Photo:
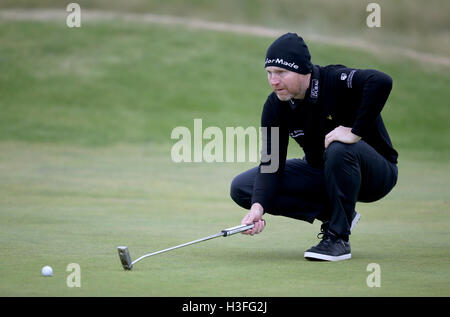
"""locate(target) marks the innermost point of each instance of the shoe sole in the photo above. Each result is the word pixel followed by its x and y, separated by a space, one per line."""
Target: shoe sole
pixel 324 257
pixel 355 220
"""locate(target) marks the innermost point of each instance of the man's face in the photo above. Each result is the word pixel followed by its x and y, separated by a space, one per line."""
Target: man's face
pixel 287 84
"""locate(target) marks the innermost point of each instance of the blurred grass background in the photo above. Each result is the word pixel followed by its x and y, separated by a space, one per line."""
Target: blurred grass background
pixel 405 23
pixel 144 80
pixel 85 122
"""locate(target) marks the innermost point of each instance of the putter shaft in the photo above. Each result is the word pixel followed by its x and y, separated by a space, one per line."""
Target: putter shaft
pixel 124 254
pixel 179 246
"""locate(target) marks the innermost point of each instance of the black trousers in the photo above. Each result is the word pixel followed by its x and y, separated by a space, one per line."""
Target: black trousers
pixel 352 172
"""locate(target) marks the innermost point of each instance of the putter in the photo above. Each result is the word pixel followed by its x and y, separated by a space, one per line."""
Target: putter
pixel 127 264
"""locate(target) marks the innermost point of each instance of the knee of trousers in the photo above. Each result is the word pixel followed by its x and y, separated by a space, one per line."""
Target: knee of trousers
pixel 238 194
pixel 339 153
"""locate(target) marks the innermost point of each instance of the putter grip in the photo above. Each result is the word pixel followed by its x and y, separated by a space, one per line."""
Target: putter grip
pixel 230 231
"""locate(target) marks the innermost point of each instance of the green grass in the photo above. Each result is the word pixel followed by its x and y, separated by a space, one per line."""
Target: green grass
pixel 68 204
pixel 404 23
pixel 145 80
pixel 85 165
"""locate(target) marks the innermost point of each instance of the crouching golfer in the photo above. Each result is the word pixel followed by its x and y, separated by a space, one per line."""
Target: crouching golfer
pixel 333 113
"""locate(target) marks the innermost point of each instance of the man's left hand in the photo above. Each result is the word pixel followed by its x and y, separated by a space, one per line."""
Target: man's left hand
pixel 341 134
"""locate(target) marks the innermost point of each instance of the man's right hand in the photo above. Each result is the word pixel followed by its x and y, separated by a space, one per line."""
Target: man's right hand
pixel 254 216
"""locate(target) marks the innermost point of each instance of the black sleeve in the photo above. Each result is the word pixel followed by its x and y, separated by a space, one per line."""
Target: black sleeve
pixel 269 172
pixel 374 87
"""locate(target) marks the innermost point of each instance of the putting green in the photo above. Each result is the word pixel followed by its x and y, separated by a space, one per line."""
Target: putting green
pixel 66 204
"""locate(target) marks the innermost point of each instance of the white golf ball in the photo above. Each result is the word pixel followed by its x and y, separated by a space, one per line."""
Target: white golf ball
pixel 47 271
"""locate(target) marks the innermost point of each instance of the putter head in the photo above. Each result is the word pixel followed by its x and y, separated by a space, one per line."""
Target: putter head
pixel 124 256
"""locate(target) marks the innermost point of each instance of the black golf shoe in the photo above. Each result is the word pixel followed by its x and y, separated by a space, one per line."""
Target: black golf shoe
pixel 331 248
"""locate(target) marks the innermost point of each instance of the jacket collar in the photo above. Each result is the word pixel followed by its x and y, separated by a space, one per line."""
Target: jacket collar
pixel 312 93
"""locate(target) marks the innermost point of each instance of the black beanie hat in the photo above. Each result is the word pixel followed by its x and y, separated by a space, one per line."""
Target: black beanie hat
pixel 290 52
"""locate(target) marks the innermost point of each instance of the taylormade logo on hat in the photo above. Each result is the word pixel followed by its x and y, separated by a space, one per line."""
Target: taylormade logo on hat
pixel 290 52
pixel 281 62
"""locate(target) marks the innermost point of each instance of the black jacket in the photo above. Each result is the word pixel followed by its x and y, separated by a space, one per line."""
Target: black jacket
pixel 337 95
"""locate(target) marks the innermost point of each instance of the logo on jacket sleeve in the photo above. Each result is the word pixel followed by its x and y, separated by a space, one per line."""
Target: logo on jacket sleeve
pixel 350 78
